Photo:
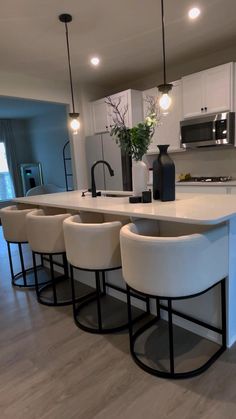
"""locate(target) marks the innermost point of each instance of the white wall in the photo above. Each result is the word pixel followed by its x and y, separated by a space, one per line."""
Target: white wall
pixel 22 86
pixel 217 162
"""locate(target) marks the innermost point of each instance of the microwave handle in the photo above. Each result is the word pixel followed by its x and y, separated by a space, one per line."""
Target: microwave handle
pixel 213 130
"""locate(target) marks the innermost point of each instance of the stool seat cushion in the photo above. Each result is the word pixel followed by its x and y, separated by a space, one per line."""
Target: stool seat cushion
pixel 177 266
pixel 14 223
pixel 45 232
pixel 93 246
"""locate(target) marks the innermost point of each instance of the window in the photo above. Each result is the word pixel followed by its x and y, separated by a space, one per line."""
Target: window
pixel 6 186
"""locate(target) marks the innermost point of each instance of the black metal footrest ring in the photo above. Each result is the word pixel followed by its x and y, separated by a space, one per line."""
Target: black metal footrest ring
pixel 102 330
pixel 50 301
pixel 19 276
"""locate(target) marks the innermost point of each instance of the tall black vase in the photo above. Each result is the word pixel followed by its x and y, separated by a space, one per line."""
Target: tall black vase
pixel 164 176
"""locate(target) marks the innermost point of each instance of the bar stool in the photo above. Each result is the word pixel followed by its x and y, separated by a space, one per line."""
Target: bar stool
pixel 169 269
pixel 14 229
pixel 45 235
pixel 95 248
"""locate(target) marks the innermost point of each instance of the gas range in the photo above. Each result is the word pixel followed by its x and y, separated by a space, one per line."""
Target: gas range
pixel 220 179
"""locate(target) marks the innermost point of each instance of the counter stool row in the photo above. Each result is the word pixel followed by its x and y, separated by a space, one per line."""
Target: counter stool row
pixel 89 246
pixel 158 262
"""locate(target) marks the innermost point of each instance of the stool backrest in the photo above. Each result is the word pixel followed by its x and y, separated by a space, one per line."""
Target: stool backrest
pixel 14 223
pixel 173 266
pixel 93 246
pixel 45 232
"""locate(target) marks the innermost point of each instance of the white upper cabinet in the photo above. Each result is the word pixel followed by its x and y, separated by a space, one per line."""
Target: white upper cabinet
pixel 208 91
pixel 100 117
pixel 129 101
pixel 219 88
pixel 192 95
pixel 168 132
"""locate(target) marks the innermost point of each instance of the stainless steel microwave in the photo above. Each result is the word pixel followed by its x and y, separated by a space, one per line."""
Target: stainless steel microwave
pixel 208 131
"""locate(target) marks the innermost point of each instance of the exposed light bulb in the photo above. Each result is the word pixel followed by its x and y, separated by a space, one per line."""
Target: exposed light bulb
pixel 95 61
pixel 194 13
pixel 75 125
pixel 165 101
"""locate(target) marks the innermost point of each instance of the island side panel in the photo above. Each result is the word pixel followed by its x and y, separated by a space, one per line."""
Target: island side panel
pixel 231 285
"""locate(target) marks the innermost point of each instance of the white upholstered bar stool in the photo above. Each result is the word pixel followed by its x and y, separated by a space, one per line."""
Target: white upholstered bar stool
pixel 13 221
pixel 173 268
pixel 45 235
pixel 94 247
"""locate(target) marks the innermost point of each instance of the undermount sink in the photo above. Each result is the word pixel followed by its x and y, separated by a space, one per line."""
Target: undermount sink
pixel 114 195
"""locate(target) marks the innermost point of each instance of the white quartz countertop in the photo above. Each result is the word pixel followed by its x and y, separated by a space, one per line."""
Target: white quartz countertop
pixel 188 208
pixel 224 184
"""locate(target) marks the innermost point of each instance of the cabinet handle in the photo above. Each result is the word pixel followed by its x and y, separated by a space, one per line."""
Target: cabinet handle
pixel 201 109
pixel 205 108
pixel 106 126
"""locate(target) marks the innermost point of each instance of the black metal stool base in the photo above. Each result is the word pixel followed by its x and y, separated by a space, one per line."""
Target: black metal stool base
pixel 94 328
pixel 19 281
pixel 94 314
pixel 25 278
pixel 45 293
pixel 57 291
pixel 143 363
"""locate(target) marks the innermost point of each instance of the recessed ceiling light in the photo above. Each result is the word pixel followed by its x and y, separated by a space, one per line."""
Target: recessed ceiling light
pixel 194 13
pixel 95 61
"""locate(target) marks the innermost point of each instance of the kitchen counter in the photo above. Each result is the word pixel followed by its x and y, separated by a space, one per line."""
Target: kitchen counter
pixel 188 208
pixel 228 183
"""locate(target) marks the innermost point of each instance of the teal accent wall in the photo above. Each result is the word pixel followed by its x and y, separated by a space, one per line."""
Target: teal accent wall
pixel 48 133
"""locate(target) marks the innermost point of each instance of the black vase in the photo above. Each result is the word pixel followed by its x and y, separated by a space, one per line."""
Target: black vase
pixel 164 176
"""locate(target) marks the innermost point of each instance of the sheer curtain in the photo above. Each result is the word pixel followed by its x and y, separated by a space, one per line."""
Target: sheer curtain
pixel 7 137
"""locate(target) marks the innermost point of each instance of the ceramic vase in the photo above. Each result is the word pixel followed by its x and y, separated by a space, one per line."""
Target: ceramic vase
pixel 139 177
pixel 164 176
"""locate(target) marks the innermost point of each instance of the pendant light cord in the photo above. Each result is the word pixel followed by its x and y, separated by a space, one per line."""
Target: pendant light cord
pixel 163 41
pixel 69 64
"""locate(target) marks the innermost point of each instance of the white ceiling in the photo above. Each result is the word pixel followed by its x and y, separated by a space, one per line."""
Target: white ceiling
pixel 126 34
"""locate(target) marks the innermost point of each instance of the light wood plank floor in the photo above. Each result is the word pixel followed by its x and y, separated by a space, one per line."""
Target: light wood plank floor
pixel 49 369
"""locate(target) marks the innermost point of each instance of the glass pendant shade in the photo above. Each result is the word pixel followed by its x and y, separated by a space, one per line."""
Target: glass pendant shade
pixel 165 101
pixel 74 122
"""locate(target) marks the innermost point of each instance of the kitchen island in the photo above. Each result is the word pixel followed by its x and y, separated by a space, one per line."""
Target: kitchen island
pixel 188 209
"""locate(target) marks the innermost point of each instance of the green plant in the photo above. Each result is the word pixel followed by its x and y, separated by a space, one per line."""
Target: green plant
pixel 134 141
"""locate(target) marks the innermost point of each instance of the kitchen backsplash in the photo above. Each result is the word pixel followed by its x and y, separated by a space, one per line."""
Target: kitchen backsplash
pixel 210 162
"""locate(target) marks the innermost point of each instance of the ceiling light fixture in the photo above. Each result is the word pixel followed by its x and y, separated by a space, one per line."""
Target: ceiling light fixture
pixel 74 123
pixel 165 99
pixel 95 61
pixel 194 13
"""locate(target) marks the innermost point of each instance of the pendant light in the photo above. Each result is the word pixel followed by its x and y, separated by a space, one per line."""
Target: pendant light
pixel 74 122
pixel 165 99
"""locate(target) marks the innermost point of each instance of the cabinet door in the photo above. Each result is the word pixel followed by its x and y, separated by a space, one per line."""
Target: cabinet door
pixel 217 89
pixel 100 120
pixel 112 154
pixel 120 99
pixel 168 132
pixel 192 95
pixel 93 147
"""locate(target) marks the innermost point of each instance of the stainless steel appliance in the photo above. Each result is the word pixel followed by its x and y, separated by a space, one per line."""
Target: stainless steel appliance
pixel 104 147
pixel 208 131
